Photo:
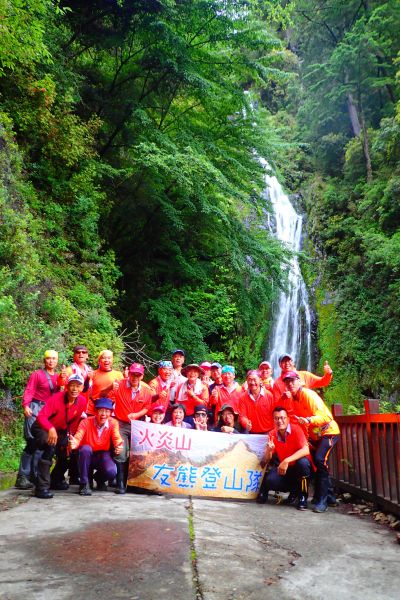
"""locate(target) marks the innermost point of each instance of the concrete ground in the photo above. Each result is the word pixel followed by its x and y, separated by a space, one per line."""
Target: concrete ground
pixel 142 547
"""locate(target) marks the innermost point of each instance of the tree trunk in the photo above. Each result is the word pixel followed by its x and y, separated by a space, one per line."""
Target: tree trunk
pixel 360 129
pixel 353 114
pixel 366 149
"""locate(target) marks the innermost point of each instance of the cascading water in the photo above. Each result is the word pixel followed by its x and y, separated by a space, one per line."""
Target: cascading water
pixel 291 330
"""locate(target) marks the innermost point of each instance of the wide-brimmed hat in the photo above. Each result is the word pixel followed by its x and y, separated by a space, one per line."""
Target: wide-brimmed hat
pixel 229 407
pixel 192 366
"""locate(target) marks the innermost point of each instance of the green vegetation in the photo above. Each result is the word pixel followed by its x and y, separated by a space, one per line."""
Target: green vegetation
pixel 348 114
pixel 131 191
pixel 129 187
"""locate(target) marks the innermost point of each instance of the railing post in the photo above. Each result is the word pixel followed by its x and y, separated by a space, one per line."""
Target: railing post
pixel 337 410
pixel 371 408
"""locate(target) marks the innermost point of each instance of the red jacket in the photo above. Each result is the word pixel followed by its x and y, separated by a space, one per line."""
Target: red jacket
pixel 38 387
pixel 58 413
pixel 258 411
pixel 224 397
pixel 188 401
pixel 295 440
pixel 125 404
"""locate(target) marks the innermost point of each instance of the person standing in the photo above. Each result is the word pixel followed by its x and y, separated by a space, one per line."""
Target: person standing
pixel 58 419
pixel 265 369
pixel 227 393
pixel 132 402
pixel 256 405
pixel 310 411
pixel 161 386
pixel 192 391
pixel 309 380
pixel 80 366
pixel 178 360
pixel 42 384
pixel 105 380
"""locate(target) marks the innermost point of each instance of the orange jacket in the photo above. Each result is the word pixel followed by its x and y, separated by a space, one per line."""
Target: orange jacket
pixel 102 382
pixel 308 404
pixel 87 434
pixel 309 380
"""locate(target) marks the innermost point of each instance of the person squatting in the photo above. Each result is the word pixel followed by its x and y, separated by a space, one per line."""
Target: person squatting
pixel 82 417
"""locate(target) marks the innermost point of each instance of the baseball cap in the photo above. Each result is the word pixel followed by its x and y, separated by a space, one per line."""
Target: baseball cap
pixel 264 363
pixel 136 368
pixel 216 365
pixel 290 375
pixel 76 377
pixel 282 356
pixel 104 403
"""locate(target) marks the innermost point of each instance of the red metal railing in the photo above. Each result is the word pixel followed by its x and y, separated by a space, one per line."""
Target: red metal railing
pixel 366 459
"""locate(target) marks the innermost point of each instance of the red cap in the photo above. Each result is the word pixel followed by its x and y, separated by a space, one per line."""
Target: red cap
pixel 206 366
pixel 290 375
pixel 264 363
pixel 136 368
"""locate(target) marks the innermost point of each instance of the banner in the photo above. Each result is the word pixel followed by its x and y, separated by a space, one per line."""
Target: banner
pixel 199 463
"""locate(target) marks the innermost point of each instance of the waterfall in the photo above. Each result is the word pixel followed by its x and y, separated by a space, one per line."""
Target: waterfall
pixel 291 329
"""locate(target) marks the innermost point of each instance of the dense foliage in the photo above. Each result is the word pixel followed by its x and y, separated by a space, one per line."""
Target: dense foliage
pixel 349 116
pixel 129 179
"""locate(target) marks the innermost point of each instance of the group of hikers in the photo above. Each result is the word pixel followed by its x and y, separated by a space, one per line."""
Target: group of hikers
pixel 83 418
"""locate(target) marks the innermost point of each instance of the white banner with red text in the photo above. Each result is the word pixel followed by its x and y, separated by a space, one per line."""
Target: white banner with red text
pixel 200 463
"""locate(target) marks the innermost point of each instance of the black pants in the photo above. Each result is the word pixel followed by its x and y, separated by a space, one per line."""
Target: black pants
pixel 60 451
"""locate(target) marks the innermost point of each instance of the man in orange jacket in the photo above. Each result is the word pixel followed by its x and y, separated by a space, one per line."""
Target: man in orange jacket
pixel 105 380
pixel 94 438
pixel 132 402
pixel 308 379
pixel 310 411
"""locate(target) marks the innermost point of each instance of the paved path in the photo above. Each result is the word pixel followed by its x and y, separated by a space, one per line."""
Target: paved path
pixel 142 547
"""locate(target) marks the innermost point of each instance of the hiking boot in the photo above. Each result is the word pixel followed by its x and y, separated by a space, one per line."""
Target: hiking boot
pixel 321 507
pixel 43 494
pixel 23 483
pixel 121 487
pixel 291 498
pixel 59 485
pixel 331 500
pixel 262 498
pixel 84 489
pixel 302 503
pixel 101 487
